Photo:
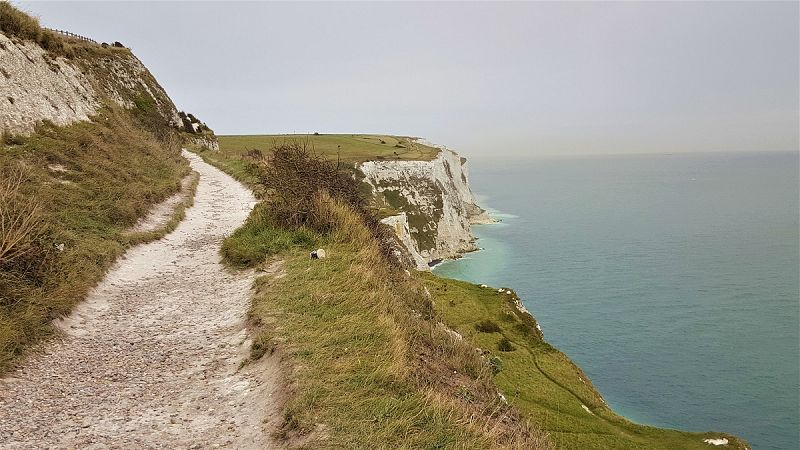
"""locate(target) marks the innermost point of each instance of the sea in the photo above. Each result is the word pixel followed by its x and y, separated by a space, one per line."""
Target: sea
pixel 671 280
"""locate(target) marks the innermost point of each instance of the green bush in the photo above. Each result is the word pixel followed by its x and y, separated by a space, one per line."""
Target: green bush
pixel 505 345
pixel 144 103
pixel 496 364
pixel 487 326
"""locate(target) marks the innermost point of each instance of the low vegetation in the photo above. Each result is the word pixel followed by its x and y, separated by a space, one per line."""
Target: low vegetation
pixel 68 196
pixel 14 22
pixel 17 24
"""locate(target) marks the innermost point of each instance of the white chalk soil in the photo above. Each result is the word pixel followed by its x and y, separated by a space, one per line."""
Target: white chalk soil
pixel 160 215
pixel 152 358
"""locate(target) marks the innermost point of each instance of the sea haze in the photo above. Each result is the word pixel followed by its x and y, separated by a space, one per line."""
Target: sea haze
pixel 671 280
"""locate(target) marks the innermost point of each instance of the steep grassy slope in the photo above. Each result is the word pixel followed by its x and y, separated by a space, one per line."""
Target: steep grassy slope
pixel 375 363
pixel 351 148
pixel 541 381
pixel 85 185
pixel 371 365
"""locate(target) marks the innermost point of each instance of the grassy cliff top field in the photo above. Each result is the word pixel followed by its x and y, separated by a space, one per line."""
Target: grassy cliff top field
pixel 352 148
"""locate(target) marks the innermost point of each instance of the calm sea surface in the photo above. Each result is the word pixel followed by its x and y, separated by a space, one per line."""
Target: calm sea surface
pixel 671 280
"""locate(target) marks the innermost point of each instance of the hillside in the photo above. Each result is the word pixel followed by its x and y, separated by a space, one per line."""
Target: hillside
pixel 411 349
pixel 211 325
pixel 88 146
pixel 419 189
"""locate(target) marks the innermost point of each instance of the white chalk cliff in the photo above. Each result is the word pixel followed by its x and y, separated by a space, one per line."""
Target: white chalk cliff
pixel 433 203
pixel 36 85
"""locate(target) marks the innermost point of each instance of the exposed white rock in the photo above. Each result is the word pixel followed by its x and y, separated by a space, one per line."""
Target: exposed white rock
pixel 36 86
pixel 209 142
pixel 435 201
pixel 719 441
pixel 455 335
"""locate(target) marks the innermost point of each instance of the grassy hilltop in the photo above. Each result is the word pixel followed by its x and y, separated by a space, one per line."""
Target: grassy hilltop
pixel 352 148
pixel 374 357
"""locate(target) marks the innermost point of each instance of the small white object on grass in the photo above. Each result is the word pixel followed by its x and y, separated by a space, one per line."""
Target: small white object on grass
pixel 719 441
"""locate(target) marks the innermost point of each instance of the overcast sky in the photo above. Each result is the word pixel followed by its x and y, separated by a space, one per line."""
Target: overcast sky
pixel 489 79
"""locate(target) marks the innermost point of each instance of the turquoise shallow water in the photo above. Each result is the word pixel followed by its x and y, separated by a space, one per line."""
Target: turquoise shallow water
pixel 672 280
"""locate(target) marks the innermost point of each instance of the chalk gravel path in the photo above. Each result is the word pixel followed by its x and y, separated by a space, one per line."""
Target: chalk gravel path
pixel 151 358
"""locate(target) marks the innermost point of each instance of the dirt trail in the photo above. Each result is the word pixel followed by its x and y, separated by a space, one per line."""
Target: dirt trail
pixel 151 359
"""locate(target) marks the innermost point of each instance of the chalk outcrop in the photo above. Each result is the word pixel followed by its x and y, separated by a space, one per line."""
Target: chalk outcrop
pixel 36 85
pixel 209 142
pixel 432 204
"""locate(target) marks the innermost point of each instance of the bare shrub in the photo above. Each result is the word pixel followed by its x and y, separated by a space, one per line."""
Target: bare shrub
pixel 304 190
pixel 292 176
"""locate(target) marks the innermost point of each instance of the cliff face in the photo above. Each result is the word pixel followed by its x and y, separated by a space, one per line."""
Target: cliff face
pixel 36 85
pixel 432 202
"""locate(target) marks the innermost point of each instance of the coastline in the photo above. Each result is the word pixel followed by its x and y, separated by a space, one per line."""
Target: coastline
pixel 597 260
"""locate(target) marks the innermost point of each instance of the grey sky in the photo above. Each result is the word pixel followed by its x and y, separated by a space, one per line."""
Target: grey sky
pixel 485 78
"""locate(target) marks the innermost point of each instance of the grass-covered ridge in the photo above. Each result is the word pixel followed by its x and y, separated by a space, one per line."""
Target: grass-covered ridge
pixel 371 364
pixel 18 24
pixel 82 186
pixel 375 360
pixel 542 382
pixel 350 148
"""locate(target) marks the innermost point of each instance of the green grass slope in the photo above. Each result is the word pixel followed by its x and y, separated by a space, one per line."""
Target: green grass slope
pixel 370 366
pixel 541 381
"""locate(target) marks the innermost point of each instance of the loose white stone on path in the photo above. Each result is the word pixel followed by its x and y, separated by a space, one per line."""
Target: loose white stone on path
pixel 151 358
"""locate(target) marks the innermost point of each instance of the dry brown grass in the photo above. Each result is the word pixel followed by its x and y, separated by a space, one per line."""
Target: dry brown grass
pixel 20 219
pixel 14 22
pixel 18 24
pixel 75 190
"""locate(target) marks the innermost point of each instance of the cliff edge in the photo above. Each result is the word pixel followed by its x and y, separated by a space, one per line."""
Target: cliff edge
pixel 430 203
pixel 64 88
